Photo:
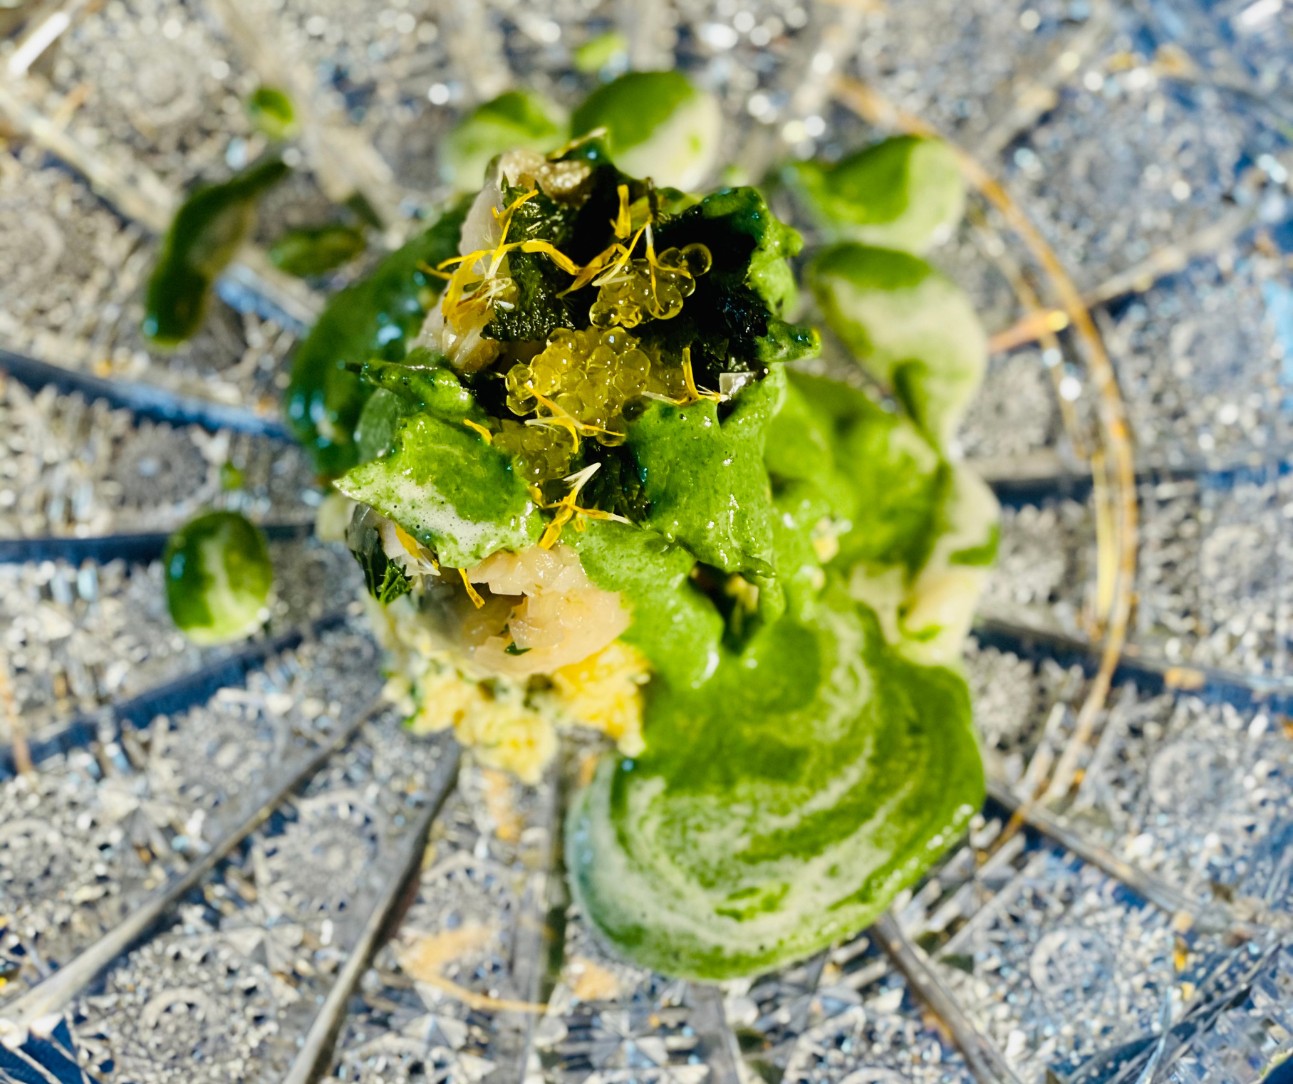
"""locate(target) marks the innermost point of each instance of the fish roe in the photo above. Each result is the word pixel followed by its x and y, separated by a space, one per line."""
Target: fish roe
pixel 542 453
pixel 649 287
pixel 588 376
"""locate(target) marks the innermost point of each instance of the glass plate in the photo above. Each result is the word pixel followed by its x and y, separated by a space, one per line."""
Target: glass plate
pixel 231 863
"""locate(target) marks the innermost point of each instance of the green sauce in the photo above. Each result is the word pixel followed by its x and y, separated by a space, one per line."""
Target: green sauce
pixel 374 318
pixel 674 625
pixel 316 250
pixel 877 472
pixel 271 110
pixel 901 193
pixel 792 785
pixel 218 577
pixel 657 124
pixel 909 326
pixel 780 806
pixel 449 489
pixel 515 120
pixel 632 107
pixel 706 481
pixel 203 238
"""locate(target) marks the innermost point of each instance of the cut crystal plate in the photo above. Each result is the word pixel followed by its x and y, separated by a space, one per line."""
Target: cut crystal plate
pixel 233 864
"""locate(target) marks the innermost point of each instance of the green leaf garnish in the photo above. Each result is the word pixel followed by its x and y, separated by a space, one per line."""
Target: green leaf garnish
pixel 232 476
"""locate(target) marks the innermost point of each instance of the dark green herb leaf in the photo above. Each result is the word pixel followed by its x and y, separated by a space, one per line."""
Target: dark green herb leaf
pixel 385 580
pixel 732 322
pixel 538 311
pixel 395 582
pixel 232 476
pixel 365 213
pixel 618 485
pixel 962 961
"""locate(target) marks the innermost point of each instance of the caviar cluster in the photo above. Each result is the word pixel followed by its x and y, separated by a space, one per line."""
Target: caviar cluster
pixel 540 452
pixel 588 376
pixel 579 385
pixel 647 287
pixel 581 382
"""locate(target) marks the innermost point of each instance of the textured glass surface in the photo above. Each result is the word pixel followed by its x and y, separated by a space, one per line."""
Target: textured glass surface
pixel 231 863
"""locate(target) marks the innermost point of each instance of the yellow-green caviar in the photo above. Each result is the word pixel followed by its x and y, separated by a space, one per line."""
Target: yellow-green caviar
pixel 580 385
pixel 650 287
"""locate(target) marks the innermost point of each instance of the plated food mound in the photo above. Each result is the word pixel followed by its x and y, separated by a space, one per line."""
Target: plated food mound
pixel 593 492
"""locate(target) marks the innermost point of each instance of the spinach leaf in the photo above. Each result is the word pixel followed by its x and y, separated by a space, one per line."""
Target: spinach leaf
pixel 385 580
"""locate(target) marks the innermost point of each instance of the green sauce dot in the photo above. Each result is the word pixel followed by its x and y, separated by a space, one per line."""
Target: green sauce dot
pixel 218 577
pixel 316 250
pixel 232 476
pixel 600 52
pixel 272 112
